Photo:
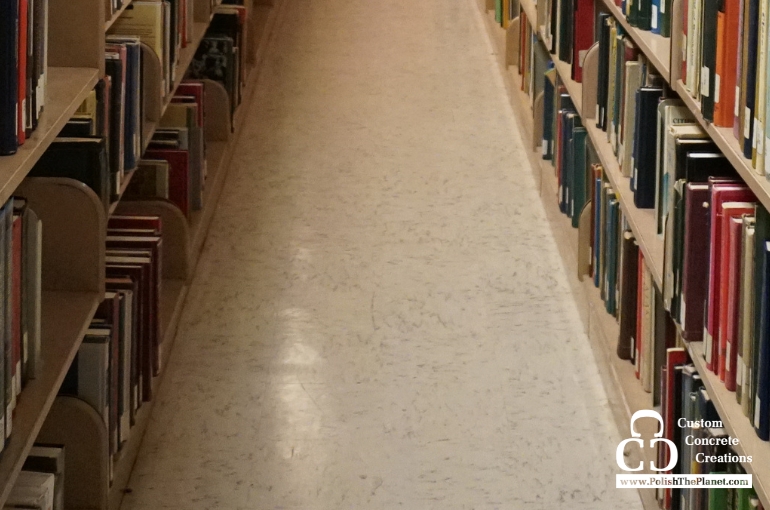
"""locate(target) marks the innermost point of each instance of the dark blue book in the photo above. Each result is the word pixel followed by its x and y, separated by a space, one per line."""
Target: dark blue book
pixel 548 100
pixel 645 147
pixel 611 245
pixel 9 77
pixel 603 71
pixel 597 230
pixel 761 417
pixel 750 66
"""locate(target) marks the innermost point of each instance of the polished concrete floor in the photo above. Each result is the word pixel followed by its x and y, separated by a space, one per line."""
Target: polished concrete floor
pixel 380 318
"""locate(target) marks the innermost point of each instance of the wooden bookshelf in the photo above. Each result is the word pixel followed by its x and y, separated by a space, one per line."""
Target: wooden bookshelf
pixel 655 47
pixel 736 424
pixel 642 221
pixel 66 316
pixel 171 303
pixel 729 145
pixel 624 390
pixel 67 87
pixel 112 19
pixel 530 9
pixel 67 312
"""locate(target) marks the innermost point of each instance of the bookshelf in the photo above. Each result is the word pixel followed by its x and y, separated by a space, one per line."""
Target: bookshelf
pixel 655 47
pixel 623 388
pixel 67 87
pixel 728 144
pixel 74 235
pixel 737 424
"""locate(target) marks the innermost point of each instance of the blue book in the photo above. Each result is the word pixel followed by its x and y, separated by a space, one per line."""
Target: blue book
pixel 655 17
pixel 611 233
pixel 548 97
pixel 597 229
pixel 761 416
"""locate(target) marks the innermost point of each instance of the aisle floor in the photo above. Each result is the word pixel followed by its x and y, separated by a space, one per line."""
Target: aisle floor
pixel 380 318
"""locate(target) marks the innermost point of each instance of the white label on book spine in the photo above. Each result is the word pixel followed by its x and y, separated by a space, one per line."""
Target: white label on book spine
pixel 728 350
pixel 760 129
pixel 704 81
pixel 684 47
pixel 756 136
pixel 597 112
pixel 683 308
pixel 737 109
pixel 717 81
pixel 757 405
pixel 545 147
pixel 654 18
pixel 746 122
pixel 663 7
pixel 707 341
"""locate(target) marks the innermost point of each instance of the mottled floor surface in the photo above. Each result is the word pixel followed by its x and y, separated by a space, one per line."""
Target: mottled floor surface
pixel 380 318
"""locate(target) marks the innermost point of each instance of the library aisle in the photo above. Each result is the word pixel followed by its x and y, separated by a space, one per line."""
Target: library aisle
pixel 380 318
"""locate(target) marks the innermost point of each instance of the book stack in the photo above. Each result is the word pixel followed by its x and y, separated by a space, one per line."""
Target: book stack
pixel 20 254
pixel 174 165
pixel 23 64
pixel 121 351
pixel 40 485
pixel 165 26
pixel 728 74
pixel 220 55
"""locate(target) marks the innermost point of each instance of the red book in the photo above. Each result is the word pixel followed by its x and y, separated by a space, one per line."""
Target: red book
pixel 21 106
pixel 195 89
pixel 16 258
pixel 153 245
pixel 675 356
pixel 721 193
pixel 179 175
pixel 730 210
pixel 584 36
pixel 639 315
pixel 696 264
pixel 735 229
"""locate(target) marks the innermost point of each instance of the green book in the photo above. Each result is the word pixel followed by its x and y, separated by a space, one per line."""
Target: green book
pixel 579 192
pixel 499 11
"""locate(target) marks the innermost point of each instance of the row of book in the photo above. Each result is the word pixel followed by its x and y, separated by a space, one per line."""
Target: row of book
pixel 40 484
pixel 165 26
pixel 121 351
pixel 23 64
pixel 713 286
pixel 20 305
pixel 173 166
pixel 707 451
pixel 221 54
pixel 728 73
